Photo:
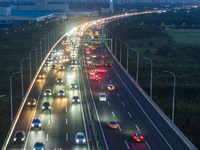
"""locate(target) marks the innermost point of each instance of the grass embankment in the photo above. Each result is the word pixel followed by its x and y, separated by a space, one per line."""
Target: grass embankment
pixel 174 50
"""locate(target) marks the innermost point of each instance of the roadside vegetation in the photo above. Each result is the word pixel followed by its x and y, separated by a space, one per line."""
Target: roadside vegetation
pixel 175 49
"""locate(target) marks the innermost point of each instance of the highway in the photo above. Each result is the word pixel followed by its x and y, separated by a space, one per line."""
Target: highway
pixel 58 127
pixel 130 108
pixel 127 104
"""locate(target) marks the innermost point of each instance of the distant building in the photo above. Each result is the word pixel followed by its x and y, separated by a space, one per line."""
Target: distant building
pixel 111 6
pixel 5 11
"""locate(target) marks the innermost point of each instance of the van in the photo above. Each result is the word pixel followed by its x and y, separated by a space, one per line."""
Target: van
pixel 102 97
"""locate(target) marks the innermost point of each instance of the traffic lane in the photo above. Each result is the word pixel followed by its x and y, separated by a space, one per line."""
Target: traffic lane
pixel 26 113
pixel 162 126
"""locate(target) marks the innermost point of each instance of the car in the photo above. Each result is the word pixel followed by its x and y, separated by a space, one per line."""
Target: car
pixel 73 85
pixel 113 125
pixel 42 75
pixel 62 67
pixel 80 138
pixel 110 87
pixel 137 137
pixel 76 99
pixel 46 64
pixel 36 123
pixel 92 72
pixel 94 55
pixel 101 70
pixel 89 61
pixel 54 51
pixel 87 57
pixel 98 64
pixel 74 62
pixel 87 52
pixel 47 92
pixel 31 102
pixel 91 66
pixel 102 96
pixel 19 137
pixel 57 61
pixel 61 50
pixel 96 77
pixel 46 106
pixel 65 56
pixel 70 74
pixel 53 66
pixel 58 57
pixel 87 49
pixel 72 69
pixel 49 58
pixel 61 93
pixel 59 81
pixel 39 146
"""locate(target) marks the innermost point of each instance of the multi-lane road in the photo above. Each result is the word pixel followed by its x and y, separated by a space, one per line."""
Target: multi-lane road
pixel 128 105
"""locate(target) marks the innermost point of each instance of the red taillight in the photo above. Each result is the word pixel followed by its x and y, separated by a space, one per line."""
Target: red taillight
pixel 116 125
pixel 110 125
pixel 141 137
pixel 106 64
pixel 135 137
pixel 110 64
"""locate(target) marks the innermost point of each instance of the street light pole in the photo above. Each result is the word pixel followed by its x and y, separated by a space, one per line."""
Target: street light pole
pixel 36 56
pixel 120 58
pixel 151 75
pixel 173 94
pixel 127 55
pixel 137 63
pixel 22 76
pixel 11 107
pixel 30 63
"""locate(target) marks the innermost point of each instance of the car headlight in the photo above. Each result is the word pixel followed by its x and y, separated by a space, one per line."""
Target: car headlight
pixel 78 100
pixel 15 139
pixel 75 86
pixel 77 140
pixel 23 139
pixel 63 93
pixel 49 93
pixel 32 125
pixel 43 107
pixel 58 94
pixel 70 86
pixel 73 100
pixel 84 140
pixel 49 107
pixel 34 103
pixel 40 125
pixel 45 93
pixel 29 103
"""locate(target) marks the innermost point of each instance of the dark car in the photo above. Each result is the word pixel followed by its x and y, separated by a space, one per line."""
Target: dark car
pixel 36 123
pixel 76 99
pixel 73 85
pixel 62 67
pixel 39 146
pixel 42 76
pixel 46 106
pixel 61 93
pixel 47 92
pixel 53 66
pixel 19 137
pixel 31 102
pixel 59 81
pixel 113 125
pixel 137 137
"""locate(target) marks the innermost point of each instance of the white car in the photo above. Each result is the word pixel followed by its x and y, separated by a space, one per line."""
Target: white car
pixel 102 97
pixel 80 138
pixel 110 87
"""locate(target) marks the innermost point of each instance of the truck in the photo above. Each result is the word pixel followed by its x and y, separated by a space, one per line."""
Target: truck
pixel 96 33
pixel 103 53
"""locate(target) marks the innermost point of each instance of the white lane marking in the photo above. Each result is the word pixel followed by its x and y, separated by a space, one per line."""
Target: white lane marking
pixel 148 145
pixel 102 87
pixel 108 76
pixel 110 81
pixel 53 91
pixel 143 110
pixel 127 145
pixel 113 113
pixel 137 127
pixel 49 122
pixel 129 114
pixel 47 137
pixel 118 95
pixel 66 136
pixel 119 127
pixel 123 103
pixel 108 103
pixel 66 121
pixel 66 109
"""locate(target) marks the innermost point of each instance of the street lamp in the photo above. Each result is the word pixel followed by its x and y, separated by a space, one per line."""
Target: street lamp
pixel 22 76
pixel 120 50
pixel 11 108
pixel 173 94
pixel 127 55
pixel 137 63
pixel 151 75
pixel 30 62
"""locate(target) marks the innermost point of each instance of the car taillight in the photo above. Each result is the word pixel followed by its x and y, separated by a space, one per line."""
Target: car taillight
pixel 116 125
pixel 135 137
pixel 141 137
pixel 110 64
pixel 110 125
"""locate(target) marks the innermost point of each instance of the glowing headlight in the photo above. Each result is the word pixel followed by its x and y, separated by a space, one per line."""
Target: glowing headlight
pixel 45 93
pixel 58 94
pixel 49 93
pixel 29 103
pixel 43 107
pixel 15 139
pixel 32 125
pixel 40 124
pixel 78 100
pixel 33 103
pixel 75 86
pixel 70 86
pixel 49 107
pixel 84 140
pixel 77 140
pixel 63 93
pixel 23 139
pixel 73 100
